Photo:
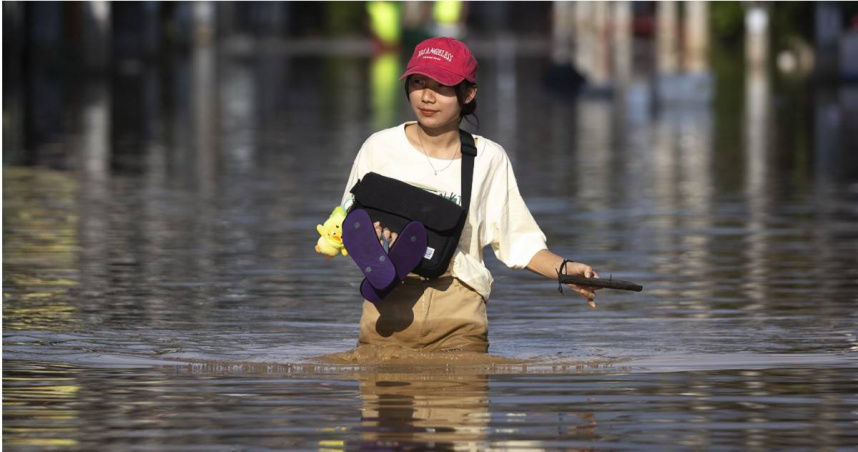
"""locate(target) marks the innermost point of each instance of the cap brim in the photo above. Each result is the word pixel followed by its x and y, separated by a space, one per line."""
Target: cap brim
pixel 441 76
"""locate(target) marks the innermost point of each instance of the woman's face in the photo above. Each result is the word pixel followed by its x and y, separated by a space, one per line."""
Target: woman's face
pixel 434 104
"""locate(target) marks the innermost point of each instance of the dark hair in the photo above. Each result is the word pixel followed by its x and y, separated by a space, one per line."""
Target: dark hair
pixel 462 89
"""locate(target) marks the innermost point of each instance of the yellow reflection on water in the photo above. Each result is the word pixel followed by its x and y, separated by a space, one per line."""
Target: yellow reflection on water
pixel 37 409
pixel 41 442
pixel 40 248
pixel 385 89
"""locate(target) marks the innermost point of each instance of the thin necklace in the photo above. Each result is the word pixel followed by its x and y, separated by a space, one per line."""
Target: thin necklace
pixel 429 161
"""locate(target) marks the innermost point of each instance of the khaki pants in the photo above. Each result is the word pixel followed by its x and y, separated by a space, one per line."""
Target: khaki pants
pixel 437 315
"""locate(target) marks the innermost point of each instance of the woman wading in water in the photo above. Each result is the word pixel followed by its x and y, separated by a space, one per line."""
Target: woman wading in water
pixel 448 312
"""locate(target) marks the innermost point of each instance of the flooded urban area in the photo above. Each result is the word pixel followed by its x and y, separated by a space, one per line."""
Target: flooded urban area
pixel 161 291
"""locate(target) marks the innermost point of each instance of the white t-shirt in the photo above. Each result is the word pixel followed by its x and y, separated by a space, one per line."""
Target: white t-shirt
pixel 498 215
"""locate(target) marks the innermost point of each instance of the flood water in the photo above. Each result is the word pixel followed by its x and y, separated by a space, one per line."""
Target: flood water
pixel 161 292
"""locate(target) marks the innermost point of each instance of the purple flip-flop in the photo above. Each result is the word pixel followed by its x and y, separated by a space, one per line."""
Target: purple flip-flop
pixel 374 295
pixel 406 254
pixel 361 242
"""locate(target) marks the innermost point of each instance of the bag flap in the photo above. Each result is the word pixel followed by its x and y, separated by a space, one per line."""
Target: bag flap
pixel 399 198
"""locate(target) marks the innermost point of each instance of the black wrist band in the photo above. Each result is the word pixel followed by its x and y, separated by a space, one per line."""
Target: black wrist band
pixel 561 271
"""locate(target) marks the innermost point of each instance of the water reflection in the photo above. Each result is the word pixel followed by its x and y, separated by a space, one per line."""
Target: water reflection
pixel 40 249
pixel 407 410
pixel 683 195
pixel 386 93
pixel 268 406
pixel 758 165
pixel 205 155
pixel 39 407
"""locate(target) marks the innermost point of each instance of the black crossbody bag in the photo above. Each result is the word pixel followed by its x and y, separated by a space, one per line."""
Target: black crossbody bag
pixel 395 203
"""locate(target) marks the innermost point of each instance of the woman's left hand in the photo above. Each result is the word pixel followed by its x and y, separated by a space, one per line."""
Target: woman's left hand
pixel 548 264
pixel 588 292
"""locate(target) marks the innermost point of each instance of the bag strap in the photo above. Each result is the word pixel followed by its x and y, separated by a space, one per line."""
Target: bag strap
pixel 469 151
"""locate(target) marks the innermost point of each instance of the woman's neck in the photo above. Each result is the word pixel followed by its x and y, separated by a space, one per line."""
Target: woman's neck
pixel 436 143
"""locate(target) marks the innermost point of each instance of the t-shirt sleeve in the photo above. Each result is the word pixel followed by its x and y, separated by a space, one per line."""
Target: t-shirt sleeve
pixel 513 233
pixel 359 168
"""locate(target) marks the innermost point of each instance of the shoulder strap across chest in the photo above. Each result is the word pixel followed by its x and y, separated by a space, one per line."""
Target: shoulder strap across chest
pixel 469 152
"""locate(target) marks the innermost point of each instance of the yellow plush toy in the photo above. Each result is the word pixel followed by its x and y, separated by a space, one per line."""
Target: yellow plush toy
pixel 331 241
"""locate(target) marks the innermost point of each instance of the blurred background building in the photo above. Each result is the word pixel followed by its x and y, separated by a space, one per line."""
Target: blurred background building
pixel 138 58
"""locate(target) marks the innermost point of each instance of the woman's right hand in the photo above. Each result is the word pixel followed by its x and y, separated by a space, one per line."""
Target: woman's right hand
pixel 384 234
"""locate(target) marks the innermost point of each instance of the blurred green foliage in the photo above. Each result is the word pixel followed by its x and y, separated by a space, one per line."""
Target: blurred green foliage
pixel 728 20
pixel 344 18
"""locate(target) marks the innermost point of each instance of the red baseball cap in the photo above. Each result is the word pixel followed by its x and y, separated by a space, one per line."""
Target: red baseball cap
pixel 446 60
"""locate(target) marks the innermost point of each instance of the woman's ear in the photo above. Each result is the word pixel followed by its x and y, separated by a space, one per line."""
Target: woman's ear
pixel 471 95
